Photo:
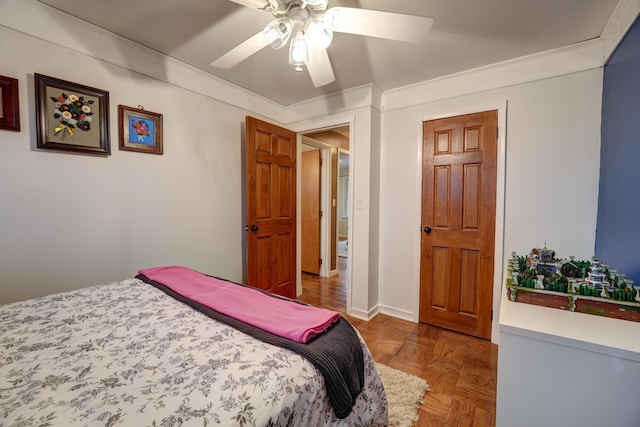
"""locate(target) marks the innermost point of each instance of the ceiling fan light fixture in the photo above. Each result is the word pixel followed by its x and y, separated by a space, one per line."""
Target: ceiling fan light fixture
pixel 308 26
pixel 332 18
pixel 298 53
pixel 277 32
pixel 318 34
pixel 317 4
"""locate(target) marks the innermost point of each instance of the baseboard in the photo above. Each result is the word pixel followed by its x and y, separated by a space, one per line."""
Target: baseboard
pixel 389 311
pixel 397 313
pixel 364 315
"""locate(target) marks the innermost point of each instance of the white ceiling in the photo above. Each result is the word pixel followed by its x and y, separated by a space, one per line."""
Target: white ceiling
pixel 466 34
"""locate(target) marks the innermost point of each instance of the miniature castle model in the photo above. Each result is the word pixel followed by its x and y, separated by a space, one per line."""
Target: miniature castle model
pixel 541 270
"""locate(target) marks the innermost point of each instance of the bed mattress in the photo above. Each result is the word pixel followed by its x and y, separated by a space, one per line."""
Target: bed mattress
pixel 126 353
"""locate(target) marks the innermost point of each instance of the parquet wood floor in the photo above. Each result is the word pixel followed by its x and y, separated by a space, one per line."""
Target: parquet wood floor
pixel 461 370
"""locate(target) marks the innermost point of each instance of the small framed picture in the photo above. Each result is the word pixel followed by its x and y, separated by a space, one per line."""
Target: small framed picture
pixel 9 105
pixel 140 130
pixel 71 116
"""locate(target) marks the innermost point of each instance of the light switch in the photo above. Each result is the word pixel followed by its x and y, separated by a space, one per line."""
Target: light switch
pixel 360 204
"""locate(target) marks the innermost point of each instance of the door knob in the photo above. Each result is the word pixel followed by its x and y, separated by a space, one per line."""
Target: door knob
pixel 427 230
pixel 254 228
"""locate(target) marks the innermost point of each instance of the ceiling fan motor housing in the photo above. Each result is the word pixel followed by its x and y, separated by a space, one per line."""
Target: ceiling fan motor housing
pixel 281 8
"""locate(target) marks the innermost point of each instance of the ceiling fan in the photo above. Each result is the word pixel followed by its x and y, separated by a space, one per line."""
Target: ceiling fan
pixel 308 26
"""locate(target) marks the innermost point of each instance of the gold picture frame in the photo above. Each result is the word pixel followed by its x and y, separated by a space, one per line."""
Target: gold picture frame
pixel 140 130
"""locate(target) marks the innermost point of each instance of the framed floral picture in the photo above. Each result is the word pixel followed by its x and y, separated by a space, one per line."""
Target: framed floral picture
pixel 71 116
pixel 9 106
pixel 140 130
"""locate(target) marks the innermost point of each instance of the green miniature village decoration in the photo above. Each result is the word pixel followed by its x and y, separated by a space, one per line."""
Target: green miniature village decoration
pixel 591 287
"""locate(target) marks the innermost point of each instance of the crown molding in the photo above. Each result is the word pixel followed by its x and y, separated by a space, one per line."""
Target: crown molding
pixel 622 18
pixel 571 59
pixel 368 96
pixel 53 26
pixel 565 60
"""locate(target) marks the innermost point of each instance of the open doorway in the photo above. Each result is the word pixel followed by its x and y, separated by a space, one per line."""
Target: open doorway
pixel 334 142
pixel 333 280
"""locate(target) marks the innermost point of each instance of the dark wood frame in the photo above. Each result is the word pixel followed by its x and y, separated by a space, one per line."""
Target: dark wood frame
pixel 100 124
pixel 10 119
pixel 124 114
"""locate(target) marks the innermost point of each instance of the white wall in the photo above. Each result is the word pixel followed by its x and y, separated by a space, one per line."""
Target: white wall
pixel 71 220
pixel 197 182
pixel 361 284
pixel 552 162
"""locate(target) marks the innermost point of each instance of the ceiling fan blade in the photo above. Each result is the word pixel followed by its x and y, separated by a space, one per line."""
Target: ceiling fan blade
pixel 254 4
pixel 373 23
pixel 241 52
pixel 319 67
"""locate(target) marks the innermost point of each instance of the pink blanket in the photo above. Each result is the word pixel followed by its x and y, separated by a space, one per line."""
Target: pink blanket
pixel 284 318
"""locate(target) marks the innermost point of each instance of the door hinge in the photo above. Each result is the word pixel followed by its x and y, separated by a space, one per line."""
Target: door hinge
pixel 320 161
pixel 497 132
pixel 320 261
pixel 321 214
pixel 492 314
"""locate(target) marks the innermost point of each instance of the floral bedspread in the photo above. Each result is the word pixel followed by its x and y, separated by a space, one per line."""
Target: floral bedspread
pixel 128 354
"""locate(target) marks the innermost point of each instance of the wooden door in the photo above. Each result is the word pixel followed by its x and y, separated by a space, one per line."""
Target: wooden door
pixel 271 207
pixel 458 220
pixel 310 211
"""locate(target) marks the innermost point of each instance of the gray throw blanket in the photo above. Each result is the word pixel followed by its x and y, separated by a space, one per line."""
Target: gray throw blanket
pixel 336 353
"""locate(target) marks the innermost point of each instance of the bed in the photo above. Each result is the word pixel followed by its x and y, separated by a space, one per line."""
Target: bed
pixel 129 353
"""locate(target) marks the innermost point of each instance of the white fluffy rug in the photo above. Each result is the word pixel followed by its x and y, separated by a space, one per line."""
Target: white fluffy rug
pixel 405 394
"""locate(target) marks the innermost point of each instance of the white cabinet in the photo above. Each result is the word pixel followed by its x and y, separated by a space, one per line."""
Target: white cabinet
pixel 558 368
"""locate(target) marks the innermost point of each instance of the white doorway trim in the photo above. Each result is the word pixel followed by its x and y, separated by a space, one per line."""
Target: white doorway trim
pixel 330 124
pixel 498 272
